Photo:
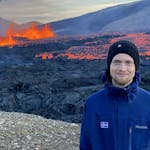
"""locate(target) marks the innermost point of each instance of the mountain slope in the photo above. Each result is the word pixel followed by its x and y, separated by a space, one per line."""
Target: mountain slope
pixel 3 26
pixel 137 22
pixel 131 17
pixel 126 17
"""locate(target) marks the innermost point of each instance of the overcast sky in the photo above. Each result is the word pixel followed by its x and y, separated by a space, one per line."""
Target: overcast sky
pixel 22 11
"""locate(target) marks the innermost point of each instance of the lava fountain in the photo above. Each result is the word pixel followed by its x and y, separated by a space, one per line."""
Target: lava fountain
pixel 31 33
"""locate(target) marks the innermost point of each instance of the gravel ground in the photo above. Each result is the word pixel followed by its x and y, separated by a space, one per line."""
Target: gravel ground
pixel 20 131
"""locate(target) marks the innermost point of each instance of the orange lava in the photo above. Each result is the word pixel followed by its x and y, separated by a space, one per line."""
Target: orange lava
pixel 141 40
pixel 77 52
pixel 8 41
pixel 98 50
pixel 44 56
pixel 31 33
pixel 82 56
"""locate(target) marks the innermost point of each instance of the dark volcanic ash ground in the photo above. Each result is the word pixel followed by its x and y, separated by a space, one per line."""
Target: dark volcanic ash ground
pixel 54 88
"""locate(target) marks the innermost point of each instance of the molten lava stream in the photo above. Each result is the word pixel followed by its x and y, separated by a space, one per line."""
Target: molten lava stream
pixel 34 33
pixel 31 33
pixel 8 41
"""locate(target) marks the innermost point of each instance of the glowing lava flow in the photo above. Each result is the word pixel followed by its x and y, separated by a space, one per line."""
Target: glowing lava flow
pixel 31 33
pixel 98 49
pixel 8 41
pixel 140 39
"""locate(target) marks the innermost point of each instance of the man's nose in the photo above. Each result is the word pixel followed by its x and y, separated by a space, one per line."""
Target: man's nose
pixel 122 66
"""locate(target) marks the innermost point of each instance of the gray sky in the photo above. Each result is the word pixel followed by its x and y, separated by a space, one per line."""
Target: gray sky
pixel 22 11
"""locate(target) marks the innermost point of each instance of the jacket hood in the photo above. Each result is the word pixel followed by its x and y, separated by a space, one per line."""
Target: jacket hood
pixel 129 91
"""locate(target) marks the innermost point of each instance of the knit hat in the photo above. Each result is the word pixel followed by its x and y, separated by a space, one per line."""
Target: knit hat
pixel 126 47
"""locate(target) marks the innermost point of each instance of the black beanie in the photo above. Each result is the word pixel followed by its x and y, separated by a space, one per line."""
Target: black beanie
pixel 126 47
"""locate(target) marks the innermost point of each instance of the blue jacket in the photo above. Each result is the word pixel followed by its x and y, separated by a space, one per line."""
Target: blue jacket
pixel 117 119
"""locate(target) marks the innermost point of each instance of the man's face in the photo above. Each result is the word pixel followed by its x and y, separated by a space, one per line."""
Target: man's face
pixel 122 70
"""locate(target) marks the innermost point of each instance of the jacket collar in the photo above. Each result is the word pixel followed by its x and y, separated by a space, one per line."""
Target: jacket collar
pixel 129 91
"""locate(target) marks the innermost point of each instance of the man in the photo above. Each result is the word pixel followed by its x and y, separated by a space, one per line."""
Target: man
pixel 118 116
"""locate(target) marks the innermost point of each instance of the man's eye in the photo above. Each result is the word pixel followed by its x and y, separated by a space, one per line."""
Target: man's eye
pixel 129 63
pixel 116 62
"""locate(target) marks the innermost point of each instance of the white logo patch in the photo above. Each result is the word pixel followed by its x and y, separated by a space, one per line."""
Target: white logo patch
pixel 141 127
pixel 119 45
pixel 104 124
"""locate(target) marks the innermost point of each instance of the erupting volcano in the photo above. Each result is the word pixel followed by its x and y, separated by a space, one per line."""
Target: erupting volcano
pixel 31 33
pixel 8 41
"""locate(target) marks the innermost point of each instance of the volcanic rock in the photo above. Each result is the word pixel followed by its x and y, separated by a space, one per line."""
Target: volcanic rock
pixel 54 88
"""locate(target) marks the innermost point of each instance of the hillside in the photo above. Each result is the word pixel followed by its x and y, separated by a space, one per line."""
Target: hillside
pixel 132 17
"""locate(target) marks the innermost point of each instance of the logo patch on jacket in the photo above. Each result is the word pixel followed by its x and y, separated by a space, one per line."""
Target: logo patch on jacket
pixel 104 124
pixel 141 127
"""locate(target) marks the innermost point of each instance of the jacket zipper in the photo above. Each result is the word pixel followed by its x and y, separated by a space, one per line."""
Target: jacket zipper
pixel 130 138
pixel 117 124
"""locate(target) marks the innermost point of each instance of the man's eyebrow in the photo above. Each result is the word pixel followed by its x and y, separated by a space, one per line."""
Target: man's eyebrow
pixel 122 60
pixel 116 60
